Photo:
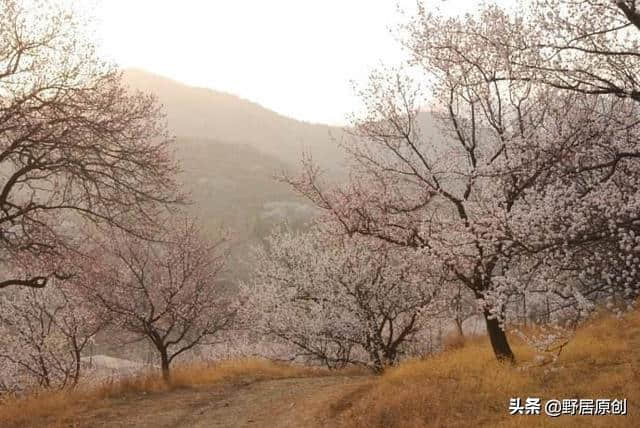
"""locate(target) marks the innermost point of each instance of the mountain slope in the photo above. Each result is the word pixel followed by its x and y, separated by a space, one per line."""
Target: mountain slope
pixel 233 185
pixel 205 113
pixel 230 149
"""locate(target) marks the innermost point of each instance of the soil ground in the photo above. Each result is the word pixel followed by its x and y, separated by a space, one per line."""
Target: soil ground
pixel 295 402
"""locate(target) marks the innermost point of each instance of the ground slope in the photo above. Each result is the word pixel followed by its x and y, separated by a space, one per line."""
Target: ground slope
pixel 296 402
pixel 460 387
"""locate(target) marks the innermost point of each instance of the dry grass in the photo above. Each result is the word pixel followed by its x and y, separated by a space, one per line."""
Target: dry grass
pixel 465 386
pixel 52 406
pixel 454 341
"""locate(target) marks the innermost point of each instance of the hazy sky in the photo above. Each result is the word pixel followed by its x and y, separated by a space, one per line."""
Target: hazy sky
pixel 296 57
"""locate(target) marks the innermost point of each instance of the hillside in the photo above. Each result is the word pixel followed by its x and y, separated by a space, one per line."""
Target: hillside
pixel 230 150
pixel 233 186
pixel 459 387
pixel 212 115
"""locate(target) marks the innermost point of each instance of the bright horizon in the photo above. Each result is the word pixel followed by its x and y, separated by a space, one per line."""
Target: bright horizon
pixel 295 58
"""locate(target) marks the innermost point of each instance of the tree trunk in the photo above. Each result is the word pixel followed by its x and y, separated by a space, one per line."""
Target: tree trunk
pixel 76 373
pixel 498 339
pixel 165 366
pixel 459 327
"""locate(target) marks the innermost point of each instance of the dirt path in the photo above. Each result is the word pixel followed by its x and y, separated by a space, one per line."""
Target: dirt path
pixel 298 402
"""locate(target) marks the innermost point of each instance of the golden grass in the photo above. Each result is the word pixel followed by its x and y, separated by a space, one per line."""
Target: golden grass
pixel 465 386
pixel 258 369
pixel 55 407
pixel 453 341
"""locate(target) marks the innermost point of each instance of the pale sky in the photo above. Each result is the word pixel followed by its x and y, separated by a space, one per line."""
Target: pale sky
pixel 296 57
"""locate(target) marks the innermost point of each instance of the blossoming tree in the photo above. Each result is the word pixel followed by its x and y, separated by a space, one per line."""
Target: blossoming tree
pixel 339 299
pixel 44 334
pixel 75 145
pixel 167 291
pixel 529 185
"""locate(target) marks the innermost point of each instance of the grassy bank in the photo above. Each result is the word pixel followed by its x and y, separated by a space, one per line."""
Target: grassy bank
pixel 466 387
